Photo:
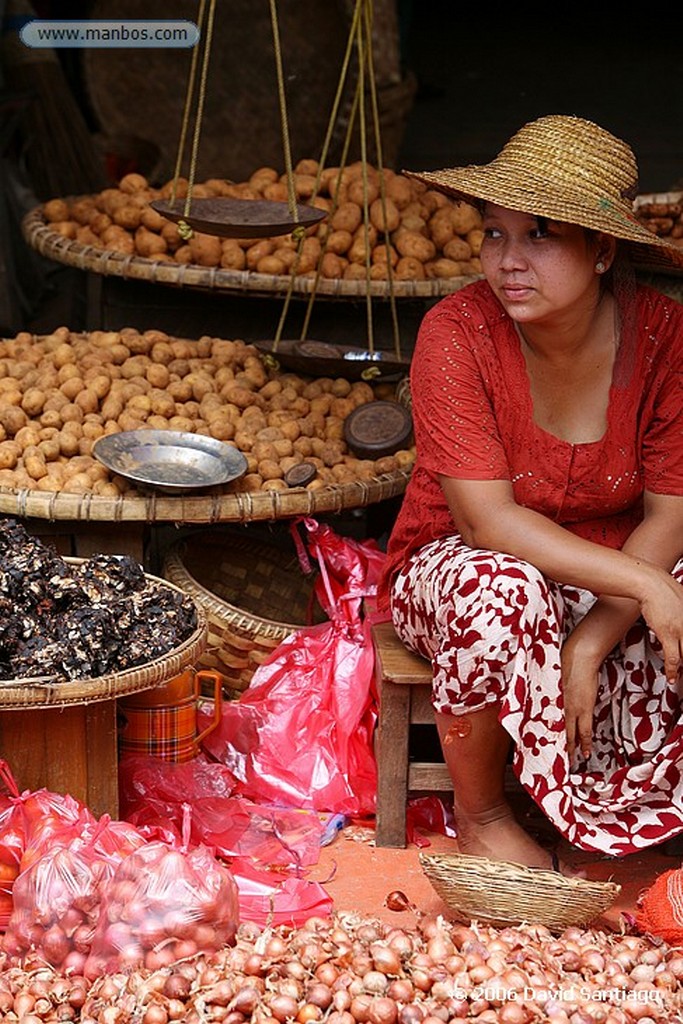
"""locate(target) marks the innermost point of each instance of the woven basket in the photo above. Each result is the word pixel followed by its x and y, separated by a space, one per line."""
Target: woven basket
pixel 50 243
pixel 224 507
pixel 499 893
pixel 28 693
pixel 253 593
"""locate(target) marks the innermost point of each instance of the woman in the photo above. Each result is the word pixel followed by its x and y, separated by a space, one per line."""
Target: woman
pixel 536 559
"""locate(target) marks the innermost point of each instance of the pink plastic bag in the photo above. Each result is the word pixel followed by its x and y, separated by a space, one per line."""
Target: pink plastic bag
pixel 301 735
pixel 163 905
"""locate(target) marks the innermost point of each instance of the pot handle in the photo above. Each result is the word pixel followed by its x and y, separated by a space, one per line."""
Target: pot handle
pixel 216 680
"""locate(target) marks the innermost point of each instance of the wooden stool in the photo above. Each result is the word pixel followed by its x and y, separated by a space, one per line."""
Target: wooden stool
pixel 404 683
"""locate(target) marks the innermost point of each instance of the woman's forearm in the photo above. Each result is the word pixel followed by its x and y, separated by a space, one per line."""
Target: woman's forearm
pixel 492 520
pixel 629 582
pixel 658 540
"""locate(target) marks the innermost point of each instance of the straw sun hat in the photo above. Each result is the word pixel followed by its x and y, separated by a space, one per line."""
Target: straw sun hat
pixel 566 169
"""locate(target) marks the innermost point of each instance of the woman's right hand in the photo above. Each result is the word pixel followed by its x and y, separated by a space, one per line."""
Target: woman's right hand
pixel 661 606
pixel 580 678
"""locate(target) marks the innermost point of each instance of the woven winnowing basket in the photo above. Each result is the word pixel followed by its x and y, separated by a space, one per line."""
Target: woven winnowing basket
pixel 500 893
pixel 30 693
pixel 253 593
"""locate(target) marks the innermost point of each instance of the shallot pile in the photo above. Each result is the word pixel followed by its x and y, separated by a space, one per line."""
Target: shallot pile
pixel 351 970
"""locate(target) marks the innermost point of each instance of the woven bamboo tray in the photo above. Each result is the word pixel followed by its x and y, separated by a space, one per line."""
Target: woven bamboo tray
pixel 500 893
pixel 19 693
pixel 51 244
pixel 241 507
pixel 254 595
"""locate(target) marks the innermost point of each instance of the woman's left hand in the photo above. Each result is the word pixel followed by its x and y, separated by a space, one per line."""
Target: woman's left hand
pixel 580 688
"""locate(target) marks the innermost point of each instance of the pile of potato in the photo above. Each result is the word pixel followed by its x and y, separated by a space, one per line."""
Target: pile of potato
pixel 417 231
pixel 663 218
pixel 60 392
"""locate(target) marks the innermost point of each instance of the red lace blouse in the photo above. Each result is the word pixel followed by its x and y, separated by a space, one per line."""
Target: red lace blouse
pixel 473 417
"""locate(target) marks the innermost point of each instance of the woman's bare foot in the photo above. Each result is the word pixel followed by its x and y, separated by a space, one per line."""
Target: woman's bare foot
pixel 497 834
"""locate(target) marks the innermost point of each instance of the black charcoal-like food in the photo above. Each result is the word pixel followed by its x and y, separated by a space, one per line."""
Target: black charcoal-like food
pixel 81 620
pixel 109 576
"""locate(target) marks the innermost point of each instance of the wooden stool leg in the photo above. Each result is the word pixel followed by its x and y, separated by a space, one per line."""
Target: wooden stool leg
pixel 393 732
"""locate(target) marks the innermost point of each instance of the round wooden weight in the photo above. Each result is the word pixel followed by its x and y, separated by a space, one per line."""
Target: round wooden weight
pixel 377 429
pixel 301 474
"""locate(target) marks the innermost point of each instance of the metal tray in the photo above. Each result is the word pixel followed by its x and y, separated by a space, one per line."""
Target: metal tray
pixel 240 218
pixel 321 359
pixel 173 460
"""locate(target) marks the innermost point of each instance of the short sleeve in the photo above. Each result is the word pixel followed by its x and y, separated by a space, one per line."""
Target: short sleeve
pixel 456 431
pixel 663 438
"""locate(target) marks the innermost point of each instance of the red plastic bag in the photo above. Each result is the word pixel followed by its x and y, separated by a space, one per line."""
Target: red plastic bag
pixel 30 823
pixel 266 900
pixel 163 905
pixel 301 735
pixel 431 814
pixel 349 569
pixel 155 795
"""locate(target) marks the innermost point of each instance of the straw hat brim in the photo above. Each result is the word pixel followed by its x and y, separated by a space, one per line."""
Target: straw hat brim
pixel 535 194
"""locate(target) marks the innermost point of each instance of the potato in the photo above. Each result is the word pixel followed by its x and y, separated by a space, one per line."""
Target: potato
pixel 410 243
pixel 347 217
pixel 82 210
pixel 400 191
pixel 33 402
pixel 360 192
pixel 56 210
pixel 152 220
pixel 205 250
pixel 383 253
pixel 457 249
pixel 441 227
pixel 133 182
pixel 270 265
pixel 410 268
pixel 443 268
pixel 355 272
pixel 127 216
pixel 384 215
pixel 149 244
pixel 338 242
pixel 332 266
pixel 10 453
pixel 66 228
pixel 233 256
pixel 34 463
pixel 465 218
pixel 12 419
pixel 304 185
pixel 474 239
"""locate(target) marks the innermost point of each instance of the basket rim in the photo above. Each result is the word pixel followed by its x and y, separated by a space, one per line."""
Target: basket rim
pixel 39 235
pixel 108 687
pixel 513 871
pixel 236 507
